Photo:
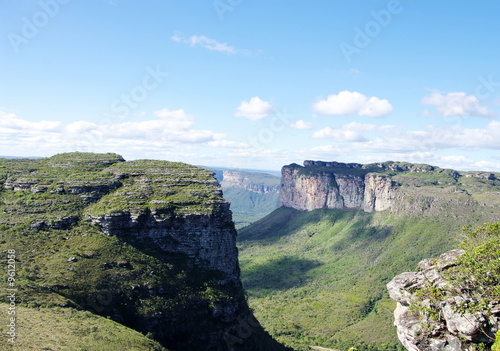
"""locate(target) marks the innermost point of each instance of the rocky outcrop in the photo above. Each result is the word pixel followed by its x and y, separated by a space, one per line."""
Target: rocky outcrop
pixel 393 186
pixel 428 317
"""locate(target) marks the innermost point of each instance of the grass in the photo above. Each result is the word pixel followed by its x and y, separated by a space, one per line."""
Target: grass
pixel 67 329
pixel 249 206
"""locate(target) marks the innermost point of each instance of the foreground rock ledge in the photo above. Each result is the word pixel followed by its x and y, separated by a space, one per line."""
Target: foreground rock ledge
pixel 449 330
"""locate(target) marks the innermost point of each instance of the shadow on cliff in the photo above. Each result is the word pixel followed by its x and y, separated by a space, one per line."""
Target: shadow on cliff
pixel 279 274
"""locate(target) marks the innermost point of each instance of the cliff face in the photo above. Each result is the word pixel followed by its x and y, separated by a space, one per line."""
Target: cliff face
pixel 178 207
pixel 393 186
pixel 149 243
pixel 335 186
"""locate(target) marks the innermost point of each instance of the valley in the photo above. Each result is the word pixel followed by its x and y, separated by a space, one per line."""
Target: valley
pixel 145 254
pixel 318 276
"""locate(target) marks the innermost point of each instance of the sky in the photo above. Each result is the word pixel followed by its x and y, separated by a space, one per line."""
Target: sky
pixel 253 84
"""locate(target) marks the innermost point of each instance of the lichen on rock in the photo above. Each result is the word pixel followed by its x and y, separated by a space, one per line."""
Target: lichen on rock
pixel 431 311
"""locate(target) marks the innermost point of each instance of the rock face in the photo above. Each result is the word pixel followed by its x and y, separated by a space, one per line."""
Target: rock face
pixel 446 329
pixel 336 186
pixel 393 186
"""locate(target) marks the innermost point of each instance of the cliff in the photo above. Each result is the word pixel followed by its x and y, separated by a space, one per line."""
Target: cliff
pixel 393 186
pixel 150 244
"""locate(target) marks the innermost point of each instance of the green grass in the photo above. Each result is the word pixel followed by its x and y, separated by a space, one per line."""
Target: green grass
pixel 249 206
pixel 318 278
pixel 67 329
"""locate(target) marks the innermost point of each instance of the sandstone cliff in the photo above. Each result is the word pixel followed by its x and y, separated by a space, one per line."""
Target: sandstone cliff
pixel 393 186
pixel 150 244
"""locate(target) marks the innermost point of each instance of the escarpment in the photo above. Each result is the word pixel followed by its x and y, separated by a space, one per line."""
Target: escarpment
pixel 149 244
pixel 393 186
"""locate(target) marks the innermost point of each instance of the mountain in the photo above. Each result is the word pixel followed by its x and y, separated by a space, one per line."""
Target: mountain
pixel 252 194
pixel 316 268
pixel 147 244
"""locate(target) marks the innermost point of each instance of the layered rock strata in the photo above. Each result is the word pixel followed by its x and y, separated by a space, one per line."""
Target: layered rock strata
pixel 336 186
pixel 393 186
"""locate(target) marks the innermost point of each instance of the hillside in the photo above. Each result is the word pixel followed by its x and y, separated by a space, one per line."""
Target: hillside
pixel 252 194
pixel 148 244
pixel 317 277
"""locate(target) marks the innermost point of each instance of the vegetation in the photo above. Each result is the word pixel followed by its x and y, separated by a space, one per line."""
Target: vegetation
pixel 252 195
pixel 250 206
pixel 478 271
pixel 62 260
pixel 496 345
pixel 67 329
pixel 318 278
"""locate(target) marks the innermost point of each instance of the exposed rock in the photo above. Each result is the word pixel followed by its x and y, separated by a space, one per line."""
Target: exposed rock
pixel 394 186
pixel 173 214
pixel 204 238
pixel 328 188
pixel 448 330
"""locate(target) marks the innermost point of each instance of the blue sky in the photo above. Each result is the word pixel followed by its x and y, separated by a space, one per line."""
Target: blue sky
pixel 253 83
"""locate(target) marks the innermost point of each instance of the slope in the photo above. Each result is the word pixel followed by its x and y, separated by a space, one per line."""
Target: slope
pixel 318 278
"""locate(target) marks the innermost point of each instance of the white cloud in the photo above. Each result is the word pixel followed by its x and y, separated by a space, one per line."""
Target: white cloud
pixel 300 124
pixel 168 129
pixel 351 132
pixel 457 104
pixel 254 109
pixel 203 41
pixel 351 103
pixel 338 134
pixel 228 144
pixel 11 122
